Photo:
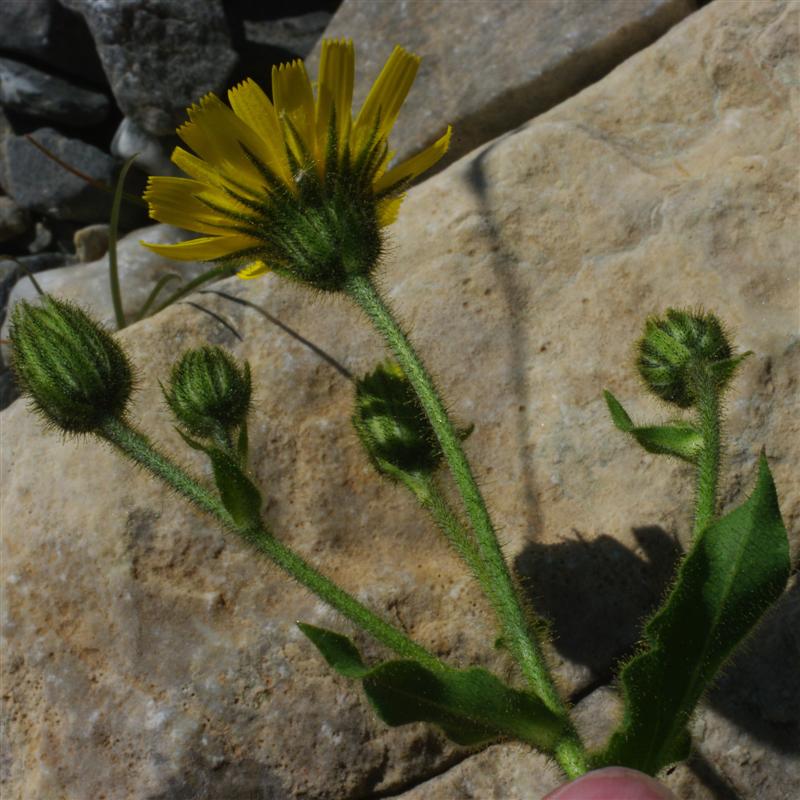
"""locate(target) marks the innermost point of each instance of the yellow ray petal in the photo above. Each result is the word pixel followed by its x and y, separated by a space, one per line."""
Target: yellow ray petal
pixel 175 202
pixel 216 134
pixel 415 165
pixel 337 66
pixel 291 91
pixel 386 96
pixel 214 183
pixel 253 106
pixel 196 168
pixel 205 248
pixel 388 210
pixel 253 270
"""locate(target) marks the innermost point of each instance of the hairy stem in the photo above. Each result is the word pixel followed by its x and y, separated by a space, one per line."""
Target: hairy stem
pixel 137 447
pixel 431 499
pixel 710 422
pixel 517 630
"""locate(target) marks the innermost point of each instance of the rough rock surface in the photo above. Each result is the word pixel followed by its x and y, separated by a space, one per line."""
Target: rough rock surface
pixel 49 32
pixel 37 183
pixel 162 660
pixel 160 56
pixel 487 68
pixel 294 35
pixel 35 93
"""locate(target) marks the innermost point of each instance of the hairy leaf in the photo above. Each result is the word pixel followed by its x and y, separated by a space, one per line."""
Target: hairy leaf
pixel 679 439
pixel 471 706
pixel 736 569
pixel 239 496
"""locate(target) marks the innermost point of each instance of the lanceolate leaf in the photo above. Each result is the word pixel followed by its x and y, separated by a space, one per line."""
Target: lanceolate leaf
pixel 471 706
pixel 679 439
pixel 619 416
pixel 239 496
pixel 736 569
pixel 337 650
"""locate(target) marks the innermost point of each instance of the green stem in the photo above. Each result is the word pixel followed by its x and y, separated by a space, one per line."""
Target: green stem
pixel 215 272
pixel 113 271
pixel 424 488
pixel 710 422
pixel 137 447
pixel 151 298
pixel 518 633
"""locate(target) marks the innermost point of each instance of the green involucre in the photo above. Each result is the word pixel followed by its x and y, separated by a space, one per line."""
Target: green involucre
pixel 392 425
pixel 682 349
pixel 329 230
pixel 74 371
pixel 208 392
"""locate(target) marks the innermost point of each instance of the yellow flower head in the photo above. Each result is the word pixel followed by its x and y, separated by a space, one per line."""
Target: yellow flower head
pixel 296 185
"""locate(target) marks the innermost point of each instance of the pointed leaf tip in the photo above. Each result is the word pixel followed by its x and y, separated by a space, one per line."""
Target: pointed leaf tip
pixel 619 416
pixel 336 649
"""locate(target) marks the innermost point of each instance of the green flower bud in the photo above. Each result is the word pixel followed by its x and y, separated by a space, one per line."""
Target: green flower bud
pixel 683 350
pixel 74 371
pixel 392 425
pixel 208 392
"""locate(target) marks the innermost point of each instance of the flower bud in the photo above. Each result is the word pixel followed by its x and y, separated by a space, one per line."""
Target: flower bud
pixel 74 371
pixel 681 352
pixel 208 392
pixel 392 425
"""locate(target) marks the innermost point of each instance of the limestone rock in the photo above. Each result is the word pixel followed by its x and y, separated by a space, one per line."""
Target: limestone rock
pixel 160 56
pixel 35 93
pixel 487 68
pixel 149 655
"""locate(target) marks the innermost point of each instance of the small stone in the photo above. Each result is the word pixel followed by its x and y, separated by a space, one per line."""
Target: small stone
pixel 42 238
pixel 13 220
pixel 91 242
pixel 37 183
pixel 160 57
pixel 37 94
pixel 152 152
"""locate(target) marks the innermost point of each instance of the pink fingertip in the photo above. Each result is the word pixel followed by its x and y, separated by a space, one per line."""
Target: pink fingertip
pixel 612 783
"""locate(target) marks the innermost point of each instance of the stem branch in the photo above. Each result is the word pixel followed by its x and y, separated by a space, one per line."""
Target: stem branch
pixel 137 447
pixel 497 582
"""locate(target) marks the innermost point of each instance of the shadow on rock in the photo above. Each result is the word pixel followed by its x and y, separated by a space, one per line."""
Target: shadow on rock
pixel 597 593
pixel 759 690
